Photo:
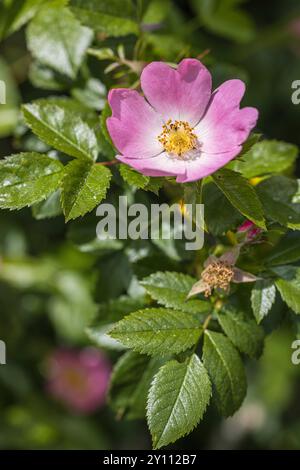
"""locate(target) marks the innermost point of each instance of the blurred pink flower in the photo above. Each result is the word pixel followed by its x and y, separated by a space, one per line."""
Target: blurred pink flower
pixel 294 27
pixel 250 230
pixel 181 129
pixel 79 379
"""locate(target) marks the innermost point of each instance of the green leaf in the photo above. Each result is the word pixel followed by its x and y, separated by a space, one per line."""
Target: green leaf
pixel 262 298
pixel 28 178
pixel 132 177
pixel 130 382
pixel 92 95
pixel 56 39
pixel 219 214
pixel 84 186
pixel 156 11
pixel 158 331
pixel 276 194
pixel 60 125
pixel 171 289
pixel 286 251
pixel 72 308
pixel 268 156
pixel 109 313
pixel 115 309
pixel 50 207
pixel 114 18
pixel 178 398
pixel 15 13
pixel 289 285
pixel 46 78
pixel 99 336
pixel 137 180
pixel 119 267
pixel 154 184
pixel 247 145
pixel 243 331
pixel 226 371
pixel 225 18
pixel 241 195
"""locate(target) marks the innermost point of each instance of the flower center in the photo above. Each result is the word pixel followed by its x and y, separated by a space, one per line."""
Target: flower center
pixel 178 137
pixel 217 274
pixel 74 379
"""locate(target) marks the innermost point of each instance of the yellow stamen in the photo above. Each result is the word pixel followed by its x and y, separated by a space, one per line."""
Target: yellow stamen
pixel 178 137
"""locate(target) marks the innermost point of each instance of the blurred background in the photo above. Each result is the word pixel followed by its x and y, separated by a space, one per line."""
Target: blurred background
pixel 51 277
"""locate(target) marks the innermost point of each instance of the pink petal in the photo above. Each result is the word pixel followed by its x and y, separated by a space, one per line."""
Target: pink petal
pixel 231 256
pixel 134 126
pixel 246 226
pixel 207 164
pixel 209 260
pixel 161 165
pixel 198 288
pixel 225 125
pixel 242 276
pixel 181 94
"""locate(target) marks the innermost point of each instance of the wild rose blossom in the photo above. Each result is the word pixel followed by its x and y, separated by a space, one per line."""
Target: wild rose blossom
pixel 79 379
pixel 180 128
pixel 218 273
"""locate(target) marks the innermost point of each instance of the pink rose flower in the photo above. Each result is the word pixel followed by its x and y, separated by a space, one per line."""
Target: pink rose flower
pixel 250 230
pixel 181 129
pixel 79 379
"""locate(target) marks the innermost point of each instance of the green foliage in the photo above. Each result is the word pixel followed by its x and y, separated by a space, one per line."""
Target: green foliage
pixel 288 285
pixel 243 332
pixel 83 187
pixel 158 331
pixel 262 298
pixel 226 371
pixel 50 207
pixel 241 195
pixel 286 251
pixel 266 157
pixel 220 215
pixel 276 194
pixel 28 178
pixel 130 382
pixel 178 397
pixel 114 18
pixel 139 181
pixel 57 39
pixel 15 13
pixel 226 18
pixel 59 124
pixel 171 290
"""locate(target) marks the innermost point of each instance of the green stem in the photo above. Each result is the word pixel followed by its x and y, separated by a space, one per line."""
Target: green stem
pixel 206 322
pixel 109 163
